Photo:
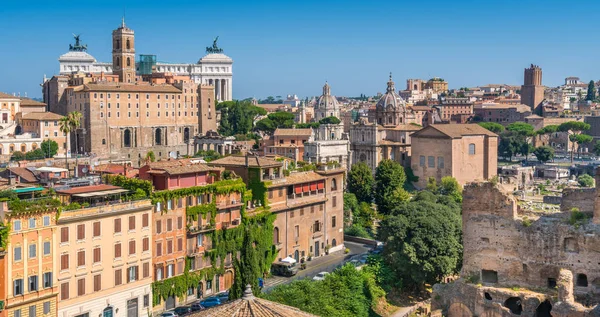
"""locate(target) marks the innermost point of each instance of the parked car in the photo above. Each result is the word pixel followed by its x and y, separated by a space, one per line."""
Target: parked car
pixel 284 268
pixel 169 314
pixel 320 276
pixel 210 302
pixel 196 307
pixel 183 310
pixel 224 296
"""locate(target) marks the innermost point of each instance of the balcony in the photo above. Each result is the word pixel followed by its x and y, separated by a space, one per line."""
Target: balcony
pixel 201 228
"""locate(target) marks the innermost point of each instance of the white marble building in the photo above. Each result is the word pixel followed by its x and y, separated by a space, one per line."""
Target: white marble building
pixel 215 68
pixel 328 143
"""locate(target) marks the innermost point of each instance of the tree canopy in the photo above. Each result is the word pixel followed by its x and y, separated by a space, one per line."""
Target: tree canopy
pixel 591 92
pixel 585 180
pixel 521 128
pixel 544 153
pixel 49 147
pixel 574 128
pixel 492 126
pixel 237 117
pixel 361 182
pixel 277 120
pixel 423 239
pixel 549 129
pixel 330 120
pixel 389 177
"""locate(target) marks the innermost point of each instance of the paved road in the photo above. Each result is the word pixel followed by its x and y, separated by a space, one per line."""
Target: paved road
pixel 326 263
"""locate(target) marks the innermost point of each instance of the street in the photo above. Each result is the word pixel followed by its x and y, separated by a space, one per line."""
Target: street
pixel 326 263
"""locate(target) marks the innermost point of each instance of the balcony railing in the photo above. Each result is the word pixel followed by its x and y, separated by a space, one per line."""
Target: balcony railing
pixel 201 228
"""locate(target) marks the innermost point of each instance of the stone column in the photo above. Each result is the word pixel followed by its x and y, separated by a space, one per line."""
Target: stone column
pixel 217 90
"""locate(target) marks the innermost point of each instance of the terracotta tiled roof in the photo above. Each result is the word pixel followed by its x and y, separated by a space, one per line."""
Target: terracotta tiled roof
pixel 88 189
pixel 292 132
pixel 492 106
pixel 457 130
pixel 131 88
pixel 30 102
pixel 298 178
pixel 253 161
pixel 176 167
pixel 402 127
pixel 42 116
pixel 420 108
pixel 7 96
pixel 250 306
pixel 25 174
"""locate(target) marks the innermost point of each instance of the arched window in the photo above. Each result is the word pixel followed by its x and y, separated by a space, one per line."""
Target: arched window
pixel 23 148
pixel 333 243
pixel 118 44
pixel 333 184
pixel 276 235
pixel 107 312
pixel 158 137
pixel 128 61
pixel 127 138
pixel 471 149
pixel 297 256
pixel 128 45
pixel 117 62
pixel 186 135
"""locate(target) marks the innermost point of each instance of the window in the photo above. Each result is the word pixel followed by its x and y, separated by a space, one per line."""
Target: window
pixel 208 285
pixel 81 258
pixel 117 225
pixel 32 311
pixel 46 220
pixel 159 248
pixel 131 223
pixel 440 162
pixel 132 274
pixel 131 247
pixel 80 232
pixel 64 291
pixel 422 160
pixel 199 239
pixel 17 313
pixel 145 244
pixel 31 223
pixel 32 251
pixel 333 222
pixel 158 226
pixel 33 283
pixel 334 201
pixel 64 261
pixel 297 231
pixel 18 287
pixel 47 279
pixel 47 248
pixel 96 255
pixel 472 149
pixel 81 287
pixel 145 221
pixel 46 308
pixel 17 225
pixel 118 277
pixel 64 234
pixel 117 250
pixel 179 244
pixel 169 224
pixel 333 184
pixel 179 223
pixel 146 270
pixel 169 246
pixel 159 274
pixel 170 270
pixel 97 282
pixel 96 229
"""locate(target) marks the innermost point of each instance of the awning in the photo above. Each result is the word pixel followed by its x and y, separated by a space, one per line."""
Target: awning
pixel 313 186
pixel 306 188
pixel 28 190
pixel 102 193
pixel 320 185
pixel 289 260
pixel 298 189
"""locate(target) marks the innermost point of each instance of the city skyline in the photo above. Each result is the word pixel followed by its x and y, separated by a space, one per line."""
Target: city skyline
pixel 292 49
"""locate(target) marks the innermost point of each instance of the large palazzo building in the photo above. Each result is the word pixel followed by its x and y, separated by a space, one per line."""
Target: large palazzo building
pixel 386 135
pixel 129 113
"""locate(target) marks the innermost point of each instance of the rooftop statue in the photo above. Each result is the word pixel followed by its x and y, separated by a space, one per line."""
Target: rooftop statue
pixel 77 47
pixel 214 48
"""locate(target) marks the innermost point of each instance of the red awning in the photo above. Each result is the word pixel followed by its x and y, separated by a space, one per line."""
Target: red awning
pixel 320 185
pixel 313 186
pixel 306 188
pixel 298 189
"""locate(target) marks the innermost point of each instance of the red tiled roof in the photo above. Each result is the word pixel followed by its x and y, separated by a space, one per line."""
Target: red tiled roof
pixel 88 189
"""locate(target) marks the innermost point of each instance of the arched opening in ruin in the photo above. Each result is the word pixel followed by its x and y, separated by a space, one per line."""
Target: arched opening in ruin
pixel 582 280
pixel 551 282
pixel 514 305
pixel 543 310
pixel 489 276
pixel 487 296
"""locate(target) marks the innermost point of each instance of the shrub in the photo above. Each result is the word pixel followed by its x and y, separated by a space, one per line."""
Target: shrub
pixel 357 231
pixel 585 180
pixel 526 222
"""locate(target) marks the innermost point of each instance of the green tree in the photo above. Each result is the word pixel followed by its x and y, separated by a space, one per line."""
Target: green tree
pixel 591 92
pixel 422 241
pixel 544 153
pixel 450 187
pixel 49 147
pixel 597 148
pixel 330 120
pixel 521 128
pixel 492 126
pixel 237 117
pixel 350 204
pixel 209 155
pixel 549 129
pixel 17 156
pixel 580 139
pixel 361 182
pixel 150 156
pixel 277 120
pixel 389 176
pixel 65 127
pixel 573 128
pixel 585 180
pixel 36 154
pixel 432 184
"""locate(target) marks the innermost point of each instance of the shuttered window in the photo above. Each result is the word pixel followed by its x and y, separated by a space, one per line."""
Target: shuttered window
pixel 145 221
pixel 96 231
pixel 131 247
pixel 145 244
pixel 96 254
pixel 81 258
pixel 131 222
pixel 81 287
pixel 117 250
pixel 64 262
pixel 117 225
pixel 80 232
pixel 97 283
pixel 64 234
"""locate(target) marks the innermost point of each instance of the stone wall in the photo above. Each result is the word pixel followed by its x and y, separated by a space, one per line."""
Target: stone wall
pixel 524 258
pixel 580 198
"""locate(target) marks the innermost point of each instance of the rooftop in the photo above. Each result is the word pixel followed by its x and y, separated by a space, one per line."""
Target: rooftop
pixel 89 189
pixel 299 177
pixel 42 116
pixel 456 130
pixel 131 88
pixel 293 132
pixel 30 102
pixel 253 161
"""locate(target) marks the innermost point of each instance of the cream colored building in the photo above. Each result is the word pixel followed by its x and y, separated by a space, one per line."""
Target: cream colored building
pixel 103 257
pixel 466 152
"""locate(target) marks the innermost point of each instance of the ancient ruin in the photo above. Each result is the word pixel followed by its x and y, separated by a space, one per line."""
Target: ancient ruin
pixel 519 262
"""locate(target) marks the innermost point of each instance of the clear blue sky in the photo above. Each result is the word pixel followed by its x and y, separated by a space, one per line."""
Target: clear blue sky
pixel 282 48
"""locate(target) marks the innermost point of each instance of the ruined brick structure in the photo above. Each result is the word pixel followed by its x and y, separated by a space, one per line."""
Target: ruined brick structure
pixel 534 264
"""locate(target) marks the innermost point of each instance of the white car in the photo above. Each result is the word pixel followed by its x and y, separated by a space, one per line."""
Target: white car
pixel 169 314
pixel 320 276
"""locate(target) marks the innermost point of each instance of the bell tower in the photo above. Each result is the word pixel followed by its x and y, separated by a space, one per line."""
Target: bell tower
pixel 123 53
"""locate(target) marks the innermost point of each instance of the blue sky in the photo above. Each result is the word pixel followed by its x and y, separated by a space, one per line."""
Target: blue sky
pixel 283 48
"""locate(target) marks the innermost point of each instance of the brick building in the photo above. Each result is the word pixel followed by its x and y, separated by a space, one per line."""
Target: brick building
pixel 288 143
pixel 455 110
pixel 504 114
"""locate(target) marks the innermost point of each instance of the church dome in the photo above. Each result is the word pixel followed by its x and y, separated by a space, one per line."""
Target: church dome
pixel 326 100
pixel 391 101
pixel 77 56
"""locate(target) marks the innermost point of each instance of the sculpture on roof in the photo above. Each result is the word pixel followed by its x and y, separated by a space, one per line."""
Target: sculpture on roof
pixel 78 47
pixel 214 48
